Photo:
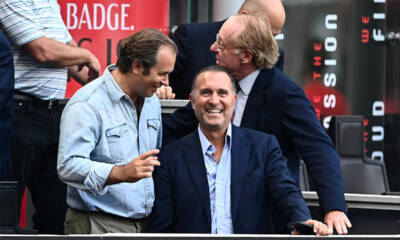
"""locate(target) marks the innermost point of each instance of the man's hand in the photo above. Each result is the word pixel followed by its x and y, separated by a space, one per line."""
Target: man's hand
pixel 165 92
pixel 338 220
pixel 138 168
pixel 94 68
pixel 319 228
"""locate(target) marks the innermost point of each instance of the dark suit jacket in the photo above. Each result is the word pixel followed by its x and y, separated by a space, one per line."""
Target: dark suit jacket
pixel 276 105
pixel 6 103
pixel 194 41
pixel 259 175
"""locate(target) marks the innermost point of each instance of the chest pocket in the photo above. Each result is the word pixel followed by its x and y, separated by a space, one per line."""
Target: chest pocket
pixel 153 126
pixel 118 140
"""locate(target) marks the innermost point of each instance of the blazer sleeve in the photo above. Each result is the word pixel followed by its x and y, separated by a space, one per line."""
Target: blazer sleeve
pixel 179 124
pixel 282 187
pixel 315 147
pixel 163 214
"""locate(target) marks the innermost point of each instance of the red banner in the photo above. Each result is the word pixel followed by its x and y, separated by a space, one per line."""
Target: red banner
pixel 100 25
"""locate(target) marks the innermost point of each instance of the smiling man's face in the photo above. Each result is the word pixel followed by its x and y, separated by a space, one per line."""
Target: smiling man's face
pixel 213 100
pixel 147 85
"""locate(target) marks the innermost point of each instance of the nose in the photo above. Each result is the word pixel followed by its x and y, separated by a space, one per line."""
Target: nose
pixel 213 47
pixel 214 99
pixel 165 80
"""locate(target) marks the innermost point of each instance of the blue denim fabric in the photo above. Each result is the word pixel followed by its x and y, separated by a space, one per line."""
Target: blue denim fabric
pixel 99 129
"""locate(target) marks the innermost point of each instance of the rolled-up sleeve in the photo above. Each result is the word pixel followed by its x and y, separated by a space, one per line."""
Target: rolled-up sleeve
pixel 19 21
pixel 79 134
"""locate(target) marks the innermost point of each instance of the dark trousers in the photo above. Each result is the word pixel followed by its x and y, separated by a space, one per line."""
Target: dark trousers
pixel 34 151
pixel 6 99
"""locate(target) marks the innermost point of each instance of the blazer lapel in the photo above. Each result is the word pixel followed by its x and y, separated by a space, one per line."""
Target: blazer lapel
pixel 240 153
pixel 197 169
pixel 255 101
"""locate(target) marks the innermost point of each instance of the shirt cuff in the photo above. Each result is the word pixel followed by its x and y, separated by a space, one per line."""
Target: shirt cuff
pixel 97 178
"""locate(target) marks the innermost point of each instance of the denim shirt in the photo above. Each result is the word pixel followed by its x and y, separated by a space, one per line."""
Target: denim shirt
pixel 219 183
pixel 99 129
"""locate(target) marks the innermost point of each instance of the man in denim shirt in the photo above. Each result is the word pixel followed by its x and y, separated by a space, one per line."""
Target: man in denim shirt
pixel 110 132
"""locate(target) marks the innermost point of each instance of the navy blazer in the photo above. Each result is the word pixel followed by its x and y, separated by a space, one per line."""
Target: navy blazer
pixel 276 105
pixel 259 176
pixel 194 41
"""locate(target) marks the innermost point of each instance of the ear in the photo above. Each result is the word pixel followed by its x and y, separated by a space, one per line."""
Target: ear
pixel 243 11
pixel 236 98
pixel 246 56
pixel 191 98
pixel 137 67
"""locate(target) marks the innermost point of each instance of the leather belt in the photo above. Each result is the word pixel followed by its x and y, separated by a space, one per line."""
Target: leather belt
pixel 25 97
pixel 109 215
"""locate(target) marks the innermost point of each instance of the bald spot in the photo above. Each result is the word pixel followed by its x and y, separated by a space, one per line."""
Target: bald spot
pixel 272 8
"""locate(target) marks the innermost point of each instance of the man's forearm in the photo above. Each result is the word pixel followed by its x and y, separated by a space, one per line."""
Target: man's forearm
pixel 57 53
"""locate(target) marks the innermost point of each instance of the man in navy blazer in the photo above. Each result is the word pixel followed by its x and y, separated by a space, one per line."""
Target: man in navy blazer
pixel 220 179
pixel 194 40
pixel 271 102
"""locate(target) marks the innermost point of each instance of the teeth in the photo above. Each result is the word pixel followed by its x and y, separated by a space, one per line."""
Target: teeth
pixel 214 111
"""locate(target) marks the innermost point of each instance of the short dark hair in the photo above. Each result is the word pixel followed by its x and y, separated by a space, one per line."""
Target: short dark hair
pixel 142 46
pixel 214 68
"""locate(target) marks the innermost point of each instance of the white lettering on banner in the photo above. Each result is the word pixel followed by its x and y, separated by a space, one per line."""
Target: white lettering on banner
pixel 378 108
pixel 329 101
pixel 330 44
pixel 71 14
pixel 123 16
pixel 85 15
pixel 330 79
pixel 97 6
pixel 96 16
pixel 327 121
pixel 330 62
pixel 328 21
pixel 378 36
pixel 377 155
pixel 377 133
pixel 109 17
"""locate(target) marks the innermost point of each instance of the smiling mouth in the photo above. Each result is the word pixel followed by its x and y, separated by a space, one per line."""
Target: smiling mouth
pixel 214 111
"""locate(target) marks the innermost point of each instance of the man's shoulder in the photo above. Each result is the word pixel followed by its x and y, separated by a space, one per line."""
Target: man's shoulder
pixel 252 135
pixel 199 29
pixel 278 82
pixel 154 101
pixel 203 25
pixel 180 143
pixel 90 93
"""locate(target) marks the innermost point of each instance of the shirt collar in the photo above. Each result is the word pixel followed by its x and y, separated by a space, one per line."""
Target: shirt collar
pixel 247 82
pixel 206 145
pixel 112 86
